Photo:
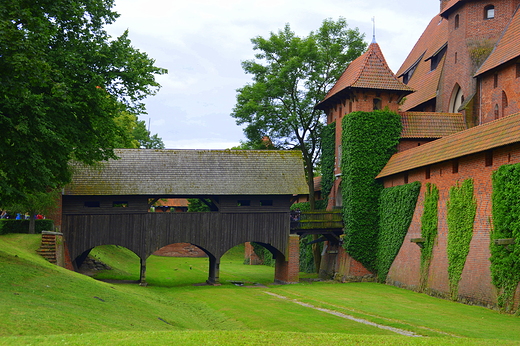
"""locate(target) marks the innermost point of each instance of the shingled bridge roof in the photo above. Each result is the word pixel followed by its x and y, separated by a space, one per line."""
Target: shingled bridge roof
pixel 192 173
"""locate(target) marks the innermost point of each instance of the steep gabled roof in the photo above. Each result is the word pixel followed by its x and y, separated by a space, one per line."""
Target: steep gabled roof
pixel 192 173
pixel 476 139
pixel 507 48
pixel 369 71
pixel 425 81
pixel 431 124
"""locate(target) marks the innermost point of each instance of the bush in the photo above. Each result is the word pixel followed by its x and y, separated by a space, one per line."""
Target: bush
pixel 22 226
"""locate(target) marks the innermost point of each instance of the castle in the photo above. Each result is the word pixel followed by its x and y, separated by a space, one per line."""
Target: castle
pixel 458 94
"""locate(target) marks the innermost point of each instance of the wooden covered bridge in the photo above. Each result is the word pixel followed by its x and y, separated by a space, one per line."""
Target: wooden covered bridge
pixel 250 192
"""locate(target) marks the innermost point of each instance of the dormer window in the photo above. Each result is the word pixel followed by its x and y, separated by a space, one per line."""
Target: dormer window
pixel 409 72
pixel 436 58
pixel 489 12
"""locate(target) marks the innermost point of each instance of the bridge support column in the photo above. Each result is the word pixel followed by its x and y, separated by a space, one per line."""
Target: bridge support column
pixel 142 274
pixel 214 270
pixel 287 269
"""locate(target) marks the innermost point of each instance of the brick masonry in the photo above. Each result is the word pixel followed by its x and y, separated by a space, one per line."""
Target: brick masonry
pixel 475 285
pixel 287 268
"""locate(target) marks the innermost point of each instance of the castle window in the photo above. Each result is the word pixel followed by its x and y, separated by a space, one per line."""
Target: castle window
pixel 496 112
pixel 377 104
pixel 456 22
pixel 489 12
pixel 489 158
pixel 456 57
pixel 406 178
pixel 505 103
pixel 427 173
pixel 495 80
pixel 455 166
pixel 518 70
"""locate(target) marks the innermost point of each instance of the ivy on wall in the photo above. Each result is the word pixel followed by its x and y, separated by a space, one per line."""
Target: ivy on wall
pixel 307 264
pixel 396 209
pixel 368 141
pixel 328 155
pixel 505 259
pixel 461 211
pixel 429 229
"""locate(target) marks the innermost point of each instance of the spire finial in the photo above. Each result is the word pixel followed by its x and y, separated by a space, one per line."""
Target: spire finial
pixel 374 30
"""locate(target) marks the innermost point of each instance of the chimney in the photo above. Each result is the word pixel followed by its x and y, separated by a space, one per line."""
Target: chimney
pixel 443 4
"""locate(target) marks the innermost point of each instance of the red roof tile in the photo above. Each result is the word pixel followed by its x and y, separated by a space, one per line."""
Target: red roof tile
pixel 369 71
pixel 431 124
pixel 476 139
pixel 507 47
pixel 424 80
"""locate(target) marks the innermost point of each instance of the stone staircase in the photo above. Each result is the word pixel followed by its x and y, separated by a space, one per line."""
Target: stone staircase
pixel 48 247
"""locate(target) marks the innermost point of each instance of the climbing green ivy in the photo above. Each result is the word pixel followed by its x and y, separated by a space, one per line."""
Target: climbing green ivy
pixel 328 148
pixel 368 140
pixel 306 256
pixel 462 208
pixel 429 228
pixel 396 209
pixel 505 259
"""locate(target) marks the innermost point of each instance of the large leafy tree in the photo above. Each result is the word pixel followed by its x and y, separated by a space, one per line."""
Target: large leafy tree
pixel 291 75
pixel 63 79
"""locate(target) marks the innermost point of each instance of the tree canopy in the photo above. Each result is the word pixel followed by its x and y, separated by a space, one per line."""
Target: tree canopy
pixel 63 80
pixel 292 74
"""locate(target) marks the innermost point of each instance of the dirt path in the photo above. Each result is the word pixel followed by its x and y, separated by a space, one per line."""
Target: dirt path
pixel 349 317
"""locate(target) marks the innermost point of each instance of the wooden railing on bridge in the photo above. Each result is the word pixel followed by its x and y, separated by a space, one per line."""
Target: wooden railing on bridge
pixel 316 221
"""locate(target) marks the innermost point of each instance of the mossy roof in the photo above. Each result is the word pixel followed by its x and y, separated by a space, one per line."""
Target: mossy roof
pixel 477 139
pixel 431 124
pixel 192 173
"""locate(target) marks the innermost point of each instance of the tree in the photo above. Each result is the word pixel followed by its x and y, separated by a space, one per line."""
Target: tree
pixel 44 203
pixel 63 80
pixel 291 75
pixel 134 134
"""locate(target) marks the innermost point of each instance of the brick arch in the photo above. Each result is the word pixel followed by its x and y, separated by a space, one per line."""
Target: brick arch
pixel 456 99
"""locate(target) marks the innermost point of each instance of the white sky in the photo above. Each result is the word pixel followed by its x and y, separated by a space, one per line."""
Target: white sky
pixel 203 42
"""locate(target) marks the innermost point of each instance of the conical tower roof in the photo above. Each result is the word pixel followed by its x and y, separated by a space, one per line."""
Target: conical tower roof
pixel 369 71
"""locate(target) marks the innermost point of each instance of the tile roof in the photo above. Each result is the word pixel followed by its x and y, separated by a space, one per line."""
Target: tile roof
pixel 192 173
pixel 507 48
pixel 425 81
pixel 369 71
pixel 431 124
pixel 491 135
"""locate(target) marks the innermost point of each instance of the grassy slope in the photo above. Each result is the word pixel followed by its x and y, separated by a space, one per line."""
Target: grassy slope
pixel 41 299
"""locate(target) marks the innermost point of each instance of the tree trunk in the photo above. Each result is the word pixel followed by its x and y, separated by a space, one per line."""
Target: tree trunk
pixel 32 224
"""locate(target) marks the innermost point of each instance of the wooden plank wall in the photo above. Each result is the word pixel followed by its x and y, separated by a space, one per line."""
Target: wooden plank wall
pixel 144 233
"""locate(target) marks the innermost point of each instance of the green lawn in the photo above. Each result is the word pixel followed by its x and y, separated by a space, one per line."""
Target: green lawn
pixel 47 305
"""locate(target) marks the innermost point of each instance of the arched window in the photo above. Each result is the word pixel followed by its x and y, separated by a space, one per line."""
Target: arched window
pixel 505 103
pixel 457 22
pixel 377 104
pixel 489 12
pixel 457 98
pixel 497 112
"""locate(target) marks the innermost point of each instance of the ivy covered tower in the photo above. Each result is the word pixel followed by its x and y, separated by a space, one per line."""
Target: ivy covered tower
pixel 367 84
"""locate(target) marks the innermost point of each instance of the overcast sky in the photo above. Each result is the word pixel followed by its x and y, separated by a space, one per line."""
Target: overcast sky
pixel 203 42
